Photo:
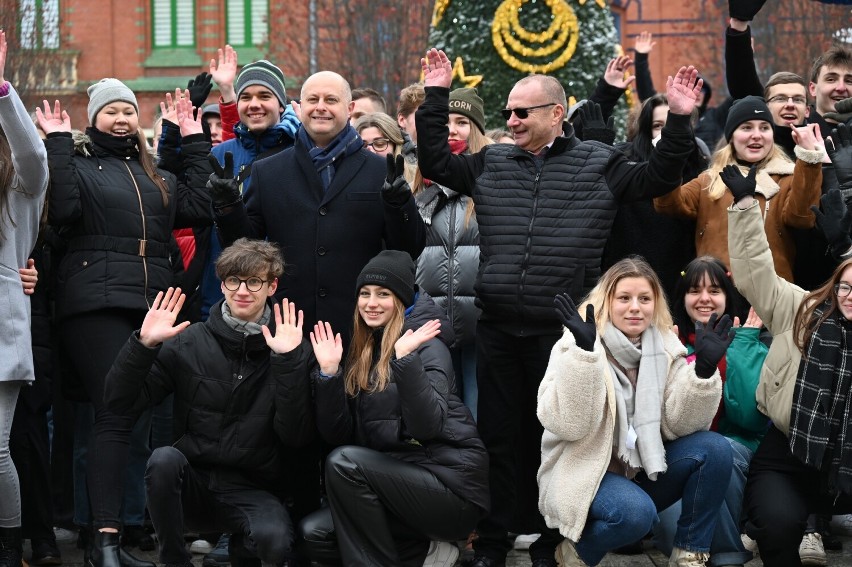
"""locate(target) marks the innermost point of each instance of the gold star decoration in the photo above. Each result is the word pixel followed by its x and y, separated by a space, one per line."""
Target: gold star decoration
pixel 601 3
pixel 467 80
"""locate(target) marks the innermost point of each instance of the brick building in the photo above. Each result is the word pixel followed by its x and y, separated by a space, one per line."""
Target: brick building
pixel 157 45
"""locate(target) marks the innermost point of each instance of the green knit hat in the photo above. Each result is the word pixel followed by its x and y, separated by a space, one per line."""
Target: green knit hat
pixel 467 102
pixel 265 74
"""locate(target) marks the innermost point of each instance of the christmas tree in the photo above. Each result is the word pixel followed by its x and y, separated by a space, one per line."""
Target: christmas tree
pixel 494 43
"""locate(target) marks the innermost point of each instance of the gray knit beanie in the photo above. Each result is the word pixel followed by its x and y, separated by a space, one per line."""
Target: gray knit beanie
pixel 265 74
pixel 392 269
pixel 466 101
pixel 106 91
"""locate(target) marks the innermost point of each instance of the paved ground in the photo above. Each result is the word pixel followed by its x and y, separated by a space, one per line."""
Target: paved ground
pixel 72 557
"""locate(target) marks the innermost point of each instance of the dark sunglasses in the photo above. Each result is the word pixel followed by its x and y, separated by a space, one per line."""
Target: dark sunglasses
pixel 523 112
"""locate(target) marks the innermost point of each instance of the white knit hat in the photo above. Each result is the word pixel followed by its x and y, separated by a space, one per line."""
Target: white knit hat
pixel 106 91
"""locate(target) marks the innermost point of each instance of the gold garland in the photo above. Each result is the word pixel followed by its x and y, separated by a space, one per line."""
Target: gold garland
pixel 562 33
pixel 438 12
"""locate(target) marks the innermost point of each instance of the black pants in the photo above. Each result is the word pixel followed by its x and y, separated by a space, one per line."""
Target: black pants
pixel 28 445
pixel 92 341
pixel 382 511
pixel 509 370
pixel 179 498
pixel 780 493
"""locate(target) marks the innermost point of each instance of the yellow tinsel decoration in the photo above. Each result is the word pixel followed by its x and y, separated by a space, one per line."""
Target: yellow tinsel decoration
pixel 438 12
pixel 562 34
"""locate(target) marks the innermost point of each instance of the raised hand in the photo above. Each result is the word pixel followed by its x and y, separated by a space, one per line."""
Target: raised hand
pixel 682 90
pixel 744 10
pixel 159 323
pixel 739 186
pixel 29 277
pixel 223 187
pixel 842 112
pixel 328 348
pixel 437 69
pixel 189 123
pixel 288 328
pixel 199 89
pixel 168 108
pixel 834 220
pixel 395 190
pixel 616 72
pixel 224 72
pixel 592 125
pixel 753 321
pixel 53 120
pixel 411 340
pixel 840 152
pixel 584 331
pixel 711 343
pixel 644 42
pixel 808 137
pixel 4 48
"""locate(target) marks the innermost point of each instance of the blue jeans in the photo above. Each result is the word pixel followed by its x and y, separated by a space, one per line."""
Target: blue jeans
pixel 623 510
pixel 727 546
pixel 464 366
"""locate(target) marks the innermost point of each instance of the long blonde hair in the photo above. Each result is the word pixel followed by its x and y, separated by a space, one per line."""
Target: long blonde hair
pixel 475 142
pixel 361 375
pixel 602 294
pixel 724 156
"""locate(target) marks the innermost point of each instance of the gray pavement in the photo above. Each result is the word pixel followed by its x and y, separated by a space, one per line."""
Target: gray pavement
pixel 72 557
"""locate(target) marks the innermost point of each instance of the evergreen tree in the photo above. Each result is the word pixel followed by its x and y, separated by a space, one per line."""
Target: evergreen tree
pixel 502 41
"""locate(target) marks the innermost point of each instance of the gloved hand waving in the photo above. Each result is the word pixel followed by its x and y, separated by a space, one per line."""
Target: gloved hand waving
pixel 584 331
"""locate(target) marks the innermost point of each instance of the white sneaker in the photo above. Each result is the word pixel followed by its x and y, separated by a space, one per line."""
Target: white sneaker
pixel 842 524
pixel 811 551
pixel 64 536
pixel 201 547
pixel 566 555
pixel 441 554
pixel 683 558
pixel 750 545
pixel 523 541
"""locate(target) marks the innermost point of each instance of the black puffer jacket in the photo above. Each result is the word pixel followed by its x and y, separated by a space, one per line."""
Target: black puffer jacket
pixel 543 224
pixel 238 406
pixel 104 205
pixel 418 418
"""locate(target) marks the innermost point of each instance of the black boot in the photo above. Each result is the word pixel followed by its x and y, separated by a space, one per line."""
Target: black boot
pixel 104 550
pixel 11 547
pixel 128 560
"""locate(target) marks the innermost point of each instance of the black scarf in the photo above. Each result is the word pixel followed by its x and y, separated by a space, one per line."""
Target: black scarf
pixel 346 143
pixel 820 418
pixel 117 146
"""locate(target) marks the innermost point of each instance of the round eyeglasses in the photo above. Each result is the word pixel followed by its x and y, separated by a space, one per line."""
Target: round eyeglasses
pixel 843 290
pixel 378 144
pixel 233 283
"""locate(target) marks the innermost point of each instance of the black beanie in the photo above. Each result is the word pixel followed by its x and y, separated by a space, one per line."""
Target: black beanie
pixel 745 109
pixel 392 269
pixel 466 101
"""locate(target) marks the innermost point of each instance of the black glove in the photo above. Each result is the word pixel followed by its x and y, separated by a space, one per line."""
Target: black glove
pixel 395 190
pixel 592 125
pixel 744 10
pixel 223 187
pixel 711 343
pixel 199 89
pixel 738 185
pixel 584 331
pixel 840 152
pixel 842 112
pixel 835 222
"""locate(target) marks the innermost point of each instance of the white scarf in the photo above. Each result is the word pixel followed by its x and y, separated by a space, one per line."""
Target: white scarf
pixel 638 413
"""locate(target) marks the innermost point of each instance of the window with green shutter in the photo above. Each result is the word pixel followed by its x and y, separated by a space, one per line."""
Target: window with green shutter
pixel 247 22
pixel 173 24
pixel 39 24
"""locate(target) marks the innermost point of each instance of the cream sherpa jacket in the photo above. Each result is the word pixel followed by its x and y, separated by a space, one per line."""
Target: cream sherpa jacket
pixel 576 406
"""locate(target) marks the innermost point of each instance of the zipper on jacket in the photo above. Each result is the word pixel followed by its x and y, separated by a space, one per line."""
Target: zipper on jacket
pixel 144 240
pixel 451 260
pixel 529 236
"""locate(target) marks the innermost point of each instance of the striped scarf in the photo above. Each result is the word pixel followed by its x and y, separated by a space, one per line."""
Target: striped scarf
pixel 346 143
pixel 820 418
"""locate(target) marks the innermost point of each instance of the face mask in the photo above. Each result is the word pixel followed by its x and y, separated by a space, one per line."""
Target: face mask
pixel 655 140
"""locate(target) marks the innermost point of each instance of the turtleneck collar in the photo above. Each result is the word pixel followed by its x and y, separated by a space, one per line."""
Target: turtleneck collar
pixel 125 147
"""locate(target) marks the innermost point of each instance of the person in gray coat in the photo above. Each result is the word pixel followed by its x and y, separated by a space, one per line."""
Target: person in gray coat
pixel 23 183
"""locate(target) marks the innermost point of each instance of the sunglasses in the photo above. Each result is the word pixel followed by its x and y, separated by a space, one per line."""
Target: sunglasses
pixel 378 144
pixel 523 112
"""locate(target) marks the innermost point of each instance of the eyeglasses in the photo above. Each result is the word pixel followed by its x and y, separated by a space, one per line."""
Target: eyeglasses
pixel 782 99
pixel 378 144
pixel 843 290
pixel 233 283
pixel 523 112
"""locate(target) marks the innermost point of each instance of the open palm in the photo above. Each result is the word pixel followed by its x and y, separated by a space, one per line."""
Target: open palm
pixel 411 340
pixel 682 90
pixel 159 324
pixel 288 328
pixel 328 348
